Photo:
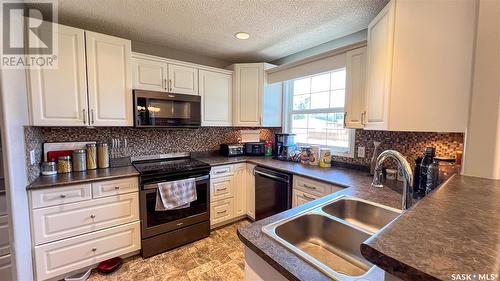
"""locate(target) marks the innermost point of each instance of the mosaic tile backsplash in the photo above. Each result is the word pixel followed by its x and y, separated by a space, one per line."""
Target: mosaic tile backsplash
pixel 140 141
pixel 157 141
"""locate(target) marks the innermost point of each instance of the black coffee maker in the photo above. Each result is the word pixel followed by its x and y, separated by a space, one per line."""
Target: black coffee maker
pixel 284 145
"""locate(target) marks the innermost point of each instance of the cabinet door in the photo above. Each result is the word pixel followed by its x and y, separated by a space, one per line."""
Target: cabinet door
pixel 182 79
pixel 58 97
pixel 109 80
pixel 250 191
pixel 300 197
pixel 379 68
pixel 149 75
pixel 248 91
pixel 240 190
pixel 215 92
pixel 355 90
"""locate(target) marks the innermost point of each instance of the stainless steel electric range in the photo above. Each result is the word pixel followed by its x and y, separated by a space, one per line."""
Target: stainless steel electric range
pixel 165 230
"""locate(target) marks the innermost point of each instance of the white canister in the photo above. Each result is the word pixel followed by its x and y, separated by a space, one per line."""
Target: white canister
pixel 325 156
pixel 314 156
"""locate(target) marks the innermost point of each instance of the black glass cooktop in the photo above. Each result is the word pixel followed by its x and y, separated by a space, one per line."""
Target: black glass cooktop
pixel 170 166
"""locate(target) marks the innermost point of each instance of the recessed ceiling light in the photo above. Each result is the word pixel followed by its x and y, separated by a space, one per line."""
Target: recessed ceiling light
pixel 242 35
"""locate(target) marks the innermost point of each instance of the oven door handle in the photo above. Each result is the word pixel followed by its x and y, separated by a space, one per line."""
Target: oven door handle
pixel 155 185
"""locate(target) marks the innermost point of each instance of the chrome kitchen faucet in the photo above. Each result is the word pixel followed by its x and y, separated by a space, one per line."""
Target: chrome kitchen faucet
pixel 407 175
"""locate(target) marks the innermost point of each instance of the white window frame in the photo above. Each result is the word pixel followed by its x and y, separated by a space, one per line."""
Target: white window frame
pixel 288 112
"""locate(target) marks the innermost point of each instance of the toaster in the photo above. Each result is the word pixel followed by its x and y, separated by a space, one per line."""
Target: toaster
pixel 236 149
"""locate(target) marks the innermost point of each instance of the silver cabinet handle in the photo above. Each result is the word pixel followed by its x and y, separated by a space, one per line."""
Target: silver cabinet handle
pixel 117 187
pixel 165 84
pixel 92 216
pixel 63 196
pixel 345 119
pixel 221 189
pixel 222 212
pixel 94 249
pixel 170 85
pixel 310 187
pixel 363 116
pixel 221 172
pixel 308 197
pixel 92 116
pixel 84 116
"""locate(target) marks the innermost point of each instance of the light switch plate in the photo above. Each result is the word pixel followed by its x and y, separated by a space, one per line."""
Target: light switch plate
pixel 32 157
pixel 361 152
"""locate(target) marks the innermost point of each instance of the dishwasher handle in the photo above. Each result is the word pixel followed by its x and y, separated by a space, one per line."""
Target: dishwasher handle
pixel 281 177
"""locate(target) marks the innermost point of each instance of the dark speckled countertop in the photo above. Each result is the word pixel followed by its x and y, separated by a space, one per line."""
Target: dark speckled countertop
pixel 81 177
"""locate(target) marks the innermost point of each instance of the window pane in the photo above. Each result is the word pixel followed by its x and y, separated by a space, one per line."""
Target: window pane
pixel 318 121
pixel 338 138
pixel 301 102
pixel 300 135
pixel 337 98
pixel 320 100
pixel 338 80
pixel 302 86
pixel 320 83
pixel 299 121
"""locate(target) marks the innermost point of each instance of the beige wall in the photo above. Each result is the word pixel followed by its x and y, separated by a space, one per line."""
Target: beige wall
pixel 482 145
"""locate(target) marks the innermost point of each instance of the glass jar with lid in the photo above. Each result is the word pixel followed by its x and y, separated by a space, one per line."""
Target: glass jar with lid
pixel 64 164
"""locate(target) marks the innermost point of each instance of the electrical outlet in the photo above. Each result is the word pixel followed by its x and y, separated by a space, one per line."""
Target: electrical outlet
pixel 32 157
pixel 361 152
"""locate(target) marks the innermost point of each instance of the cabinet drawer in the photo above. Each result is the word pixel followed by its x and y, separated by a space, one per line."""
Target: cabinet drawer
pixel 221 171
pixel 300 197
pixel 58 222
pixel 5 268
pixel 221 188
pixel 58 258
pixel 4 236
pixel 60 195
pixel 311 186
pixel 221 211
pixel 114 187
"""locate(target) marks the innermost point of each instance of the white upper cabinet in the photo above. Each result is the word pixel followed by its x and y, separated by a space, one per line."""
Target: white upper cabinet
pixel 149 75
pixel 215 90
pixel 255 103
pixel 109 80
pixel 92 67
pixel 58 97
pixel 419 65
pixel 182 79
pixel 355 88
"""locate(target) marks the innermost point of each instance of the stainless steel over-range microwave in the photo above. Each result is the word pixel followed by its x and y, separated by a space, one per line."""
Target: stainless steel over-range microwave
pixel 159 109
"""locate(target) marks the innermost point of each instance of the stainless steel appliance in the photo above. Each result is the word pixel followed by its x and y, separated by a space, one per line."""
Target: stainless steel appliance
pixel 165 230
pixel 158 109
pixel 284 146
pixel 255 148
pixel 236 149
pixel 273 192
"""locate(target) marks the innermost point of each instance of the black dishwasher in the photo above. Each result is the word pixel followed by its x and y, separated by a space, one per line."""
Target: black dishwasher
pixel 273 192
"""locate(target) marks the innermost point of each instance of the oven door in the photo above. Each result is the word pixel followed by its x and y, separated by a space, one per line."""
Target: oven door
pixel 157 222
pixel 158 109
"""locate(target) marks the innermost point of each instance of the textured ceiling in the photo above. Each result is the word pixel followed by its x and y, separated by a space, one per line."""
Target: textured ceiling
pixel 206 27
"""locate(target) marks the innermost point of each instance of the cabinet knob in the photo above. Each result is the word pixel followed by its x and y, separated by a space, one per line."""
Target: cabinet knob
pixel 63 196
pixel 117 187
pixel 92 216
pixel 94 249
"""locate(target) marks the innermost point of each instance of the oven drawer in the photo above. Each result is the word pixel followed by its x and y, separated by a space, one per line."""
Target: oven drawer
pixel 221 188
pixel 221 171
pixel 60 195
pixel 221 211
pixel 114 187
pixel 57 258
pixel 58 222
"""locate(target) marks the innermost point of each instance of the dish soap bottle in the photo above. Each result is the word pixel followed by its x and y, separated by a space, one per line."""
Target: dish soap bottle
pixel 429 154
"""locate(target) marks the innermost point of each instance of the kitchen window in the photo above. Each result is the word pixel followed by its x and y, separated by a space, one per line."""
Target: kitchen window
pixel 316 111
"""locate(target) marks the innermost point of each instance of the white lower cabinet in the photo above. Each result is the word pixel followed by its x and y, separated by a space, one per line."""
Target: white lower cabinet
pixel 58 222
pixel 57 258
pixel 77 226
pixel 221 211
pixel 300 197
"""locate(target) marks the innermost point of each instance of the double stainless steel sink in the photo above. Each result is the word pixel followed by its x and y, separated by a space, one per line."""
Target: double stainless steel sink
pixel 329 236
